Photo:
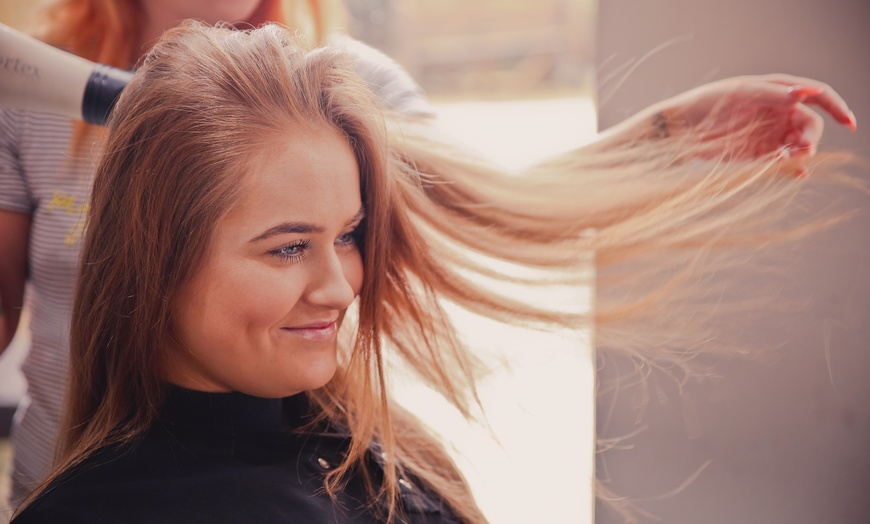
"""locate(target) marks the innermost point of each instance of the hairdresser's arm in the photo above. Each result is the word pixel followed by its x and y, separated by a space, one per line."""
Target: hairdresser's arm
pixel 788 104
pixel 14 232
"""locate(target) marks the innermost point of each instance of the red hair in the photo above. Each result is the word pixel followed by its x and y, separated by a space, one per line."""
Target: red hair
pixel 107 31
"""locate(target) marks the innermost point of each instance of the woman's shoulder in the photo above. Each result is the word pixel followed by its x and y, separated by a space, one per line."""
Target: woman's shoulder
pixel 26 122
pixel 36 141
pixel 171 476
pixel 85 492
pixel 139 481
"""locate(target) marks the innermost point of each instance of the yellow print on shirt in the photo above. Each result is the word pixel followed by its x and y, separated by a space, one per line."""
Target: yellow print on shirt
pixel 70 205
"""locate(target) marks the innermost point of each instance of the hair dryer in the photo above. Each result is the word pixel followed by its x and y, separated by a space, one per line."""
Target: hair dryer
pixel 39 77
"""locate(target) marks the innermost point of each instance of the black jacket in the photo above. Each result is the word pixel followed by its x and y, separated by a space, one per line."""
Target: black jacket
pixel 223 458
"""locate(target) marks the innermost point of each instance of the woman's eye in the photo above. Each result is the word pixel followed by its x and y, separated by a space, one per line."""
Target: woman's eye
pixel 346 239
pixel 294 251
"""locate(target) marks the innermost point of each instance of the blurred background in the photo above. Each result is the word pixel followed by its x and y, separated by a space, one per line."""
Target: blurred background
pixel 784 438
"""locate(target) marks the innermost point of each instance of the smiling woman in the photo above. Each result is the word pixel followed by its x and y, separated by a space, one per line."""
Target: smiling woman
pixel 244 184
pixel 261 314
pixel 252 193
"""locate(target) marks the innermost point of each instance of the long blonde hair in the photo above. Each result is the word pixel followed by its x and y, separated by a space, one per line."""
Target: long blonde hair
pixel 205 99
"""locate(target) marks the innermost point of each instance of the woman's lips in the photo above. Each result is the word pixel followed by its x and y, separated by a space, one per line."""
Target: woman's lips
pixel 315 332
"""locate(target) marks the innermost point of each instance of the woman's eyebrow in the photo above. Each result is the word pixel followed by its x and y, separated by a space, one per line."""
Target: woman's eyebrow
pixel 288 228
pixel 285 228
pixel 358 217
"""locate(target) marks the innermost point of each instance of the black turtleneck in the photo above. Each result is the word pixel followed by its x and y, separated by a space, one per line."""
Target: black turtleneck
pixel 222 458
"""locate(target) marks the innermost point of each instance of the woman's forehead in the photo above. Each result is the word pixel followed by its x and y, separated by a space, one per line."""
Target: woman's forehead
pixel 311 174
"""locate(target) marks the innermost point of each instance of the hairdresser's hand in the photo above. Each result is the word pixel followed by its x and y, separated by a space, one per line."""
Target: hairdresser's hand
pixel 780 112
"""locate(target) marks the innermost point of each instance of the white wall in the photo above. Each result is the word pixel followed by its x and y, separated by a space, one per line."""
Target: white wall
pixel 545 392
pixel 785 439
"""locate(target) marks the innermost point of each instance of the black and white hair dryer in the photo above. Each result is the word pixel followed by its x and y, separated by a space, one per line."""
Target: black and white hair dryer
pixel 38 77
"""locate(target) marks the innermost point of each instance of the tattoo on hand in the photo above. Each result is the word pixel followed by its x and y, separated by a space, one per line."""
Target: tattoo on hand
pixel 660 126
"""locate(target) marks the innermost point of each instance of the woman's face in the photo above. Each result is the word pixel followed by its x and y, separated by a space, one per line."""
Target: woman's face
pixel 261 314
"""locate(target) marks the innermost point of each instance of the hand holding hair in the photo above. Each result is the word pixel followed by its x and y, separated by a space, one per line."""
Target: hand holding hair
pixel 780 106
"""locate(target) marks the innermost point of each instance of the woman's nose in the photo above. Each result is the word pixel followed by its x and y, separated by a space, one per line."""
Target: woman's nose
pixel 332 281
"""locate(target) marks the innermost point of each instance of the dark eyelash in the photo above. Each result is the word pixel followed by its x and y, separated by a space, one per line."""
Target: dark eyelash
pixel 353 236
pixel 356 232
pixel 295 257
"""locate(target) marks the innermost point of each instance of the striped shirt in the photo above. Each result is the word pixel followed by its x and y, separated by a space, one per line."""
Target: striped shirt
pixel 39 177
